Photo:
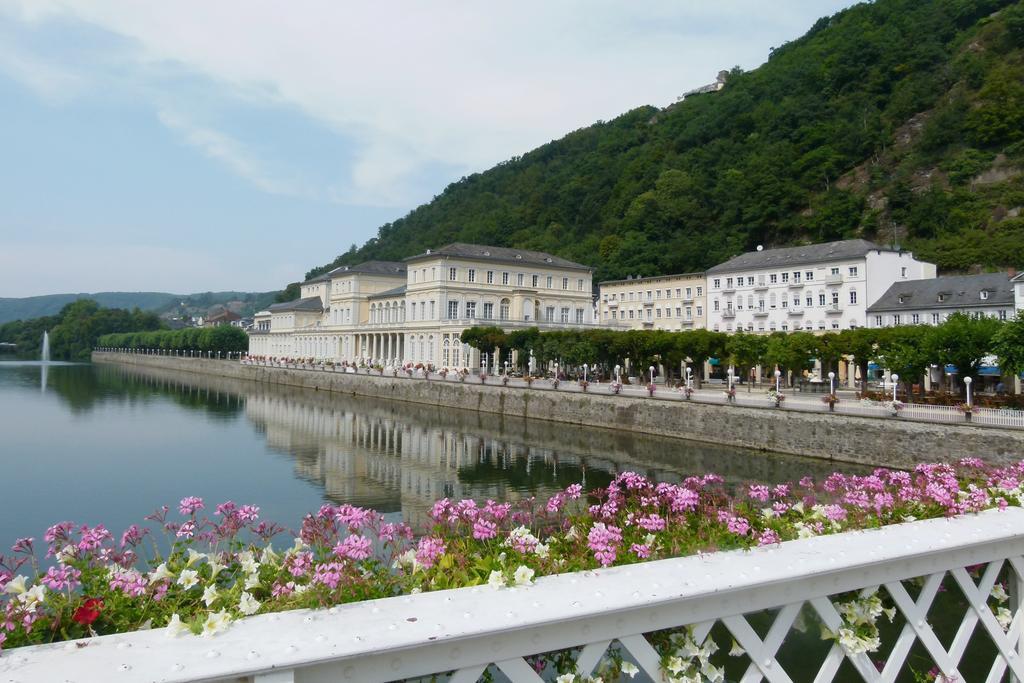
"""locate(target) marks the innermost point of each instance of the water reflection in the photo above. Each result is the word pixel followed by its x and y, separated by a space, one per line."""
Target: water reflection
pixel 108 443
pixel 402 456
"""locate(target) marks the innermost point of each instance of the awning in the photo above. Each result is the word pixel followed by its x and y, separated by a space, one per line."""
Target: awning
pixel 989 371
pixel 714 361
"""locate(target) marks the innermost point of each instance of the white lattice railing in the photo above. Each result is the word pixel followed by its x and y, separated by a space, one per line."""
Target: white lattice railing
pixel 754 597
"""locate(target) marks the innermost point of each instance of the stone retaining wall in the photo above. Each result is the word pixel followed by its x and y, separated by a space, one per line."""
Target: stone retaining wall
pixel 874 441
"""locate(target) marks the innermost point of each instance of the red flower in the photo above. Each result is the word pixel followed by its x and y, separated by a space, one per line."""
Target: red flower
pixel 88 612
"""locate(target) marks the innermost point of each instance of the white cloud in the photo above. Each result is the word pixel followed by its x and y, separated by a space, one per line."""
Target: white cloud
pixel 419 85
pixel 232 154
pixel 50 82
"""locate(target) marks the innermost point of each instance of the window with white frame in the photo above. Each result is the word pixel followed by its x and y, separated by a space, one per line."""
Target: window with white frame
pixel 471 275
pixel 579 316
pixel 471 309
pixel 519 279
pixel 915 318
pixel 716 283
pixel 453 274
pixel 785 278
pixel 853 271
pixel 565 283
pixel 504 278
pixel 809 276
pixel 550 279
pixel 535 280
pixel 773 278
pixel 453 310
pixel 490 277
pixel 700 291
pixel 579 285
pixel 549 314
pixel 878 321
pixel 488 311
pixel 853 296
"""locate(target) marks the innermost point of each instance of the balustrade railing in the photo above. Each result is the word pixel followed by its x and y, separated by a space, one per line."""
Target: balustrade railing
pixel 953 587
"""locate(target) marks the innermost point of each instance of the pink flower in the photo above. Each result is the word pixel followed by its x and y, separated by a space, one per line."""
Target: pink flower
pixel 641 550
pixel 573 491
pixel 190 505
pixel 759 492
pixel 652 522
pixel 768 537
pixel 604 541
pixel 249 513
pixel 328 574
pixel 484 530
pixel 300 563
pixel 738 526
pixel 62 578
pixel 23 545
pixel 429 550
pixel 354 547
pixel 186 530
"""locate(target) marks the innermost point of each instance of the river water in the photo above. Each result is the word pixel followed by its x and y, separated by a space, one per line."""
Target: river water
pixel 108 444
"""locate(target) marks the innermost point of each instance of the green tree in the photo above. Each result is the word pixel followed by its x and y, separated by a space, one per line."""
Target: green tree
pixel 1008 344
pixel 962 341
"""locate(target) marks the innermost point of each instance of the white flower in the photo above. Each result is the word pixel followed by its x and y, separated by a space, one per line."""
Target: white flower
pixel 736 650
pixel 248 604
pixel 798 507
pixel 566 678
pixel 210 595
pixel 675 665
pixel 252 581
pixel 523 576
pixel 66 554
pixel 571 533
pixel 215 566
pixel 215 623
pixel 630 669
pixel 542 550
pixel 248 562
pixel 160 573
pixel 193 557
pixel 188 578
pixel 301 588
pixel 649 540
pixel 1004 617
pixel 16 586
pixel 32 597
pixel 269 556
pixel 712 672
pixel 999 593
pixel 299 546
pixel 496 580
pixel 176 627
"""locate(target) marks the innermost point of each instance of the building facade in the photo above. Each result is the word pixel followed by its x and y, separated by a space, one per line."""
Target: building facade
pixel 391 313
pixel 666 302
pixel 932 301
pixel 819 287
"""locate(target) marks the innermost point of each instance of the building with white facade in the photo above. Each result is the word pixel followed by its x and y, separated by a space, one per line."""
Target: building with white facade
pixel 818 287
pixel 414 311
pixel 932 301
pixel 1018 291
pixel 664 302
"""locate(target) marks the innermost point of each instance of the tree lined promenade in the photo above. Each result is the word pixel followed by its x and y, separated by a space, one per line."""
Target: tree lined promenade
pixel 962 341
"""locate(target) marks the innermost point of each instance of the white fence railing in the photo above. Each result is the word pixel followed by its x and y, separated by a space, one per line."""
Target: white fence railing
pixel 770 601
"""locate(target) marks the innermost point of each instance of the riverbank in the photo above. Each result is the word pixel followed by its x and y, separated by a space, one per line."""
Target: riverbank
pixel 888 442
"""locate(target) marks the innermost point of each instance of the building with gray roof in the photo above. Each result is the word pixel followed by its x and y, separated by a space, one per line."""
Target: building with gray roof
pixel 932 301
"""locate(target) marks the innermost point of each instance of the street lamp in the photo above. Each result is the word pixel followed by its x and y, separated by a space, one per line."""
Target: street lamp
pixel 778 375
pixel 967 381
pixel 650 370
pixel 689 377
pixel 753 374
pixel 831 382
pixel 618 371
pixel 584 372
pixel 730 377
pixel 895 378
pixel 506 368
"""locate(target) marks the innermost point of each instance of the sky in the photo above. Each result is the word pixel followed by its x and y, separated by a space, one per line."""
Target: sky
pixel 193 146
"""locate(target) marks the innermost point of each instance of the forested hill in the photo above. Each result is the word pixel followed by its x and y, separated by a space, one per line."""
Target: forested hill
pixel 900 120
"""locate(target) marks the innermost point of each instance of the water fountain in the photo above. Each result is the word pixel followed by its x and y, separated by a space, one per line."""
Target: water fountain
pixel 44 357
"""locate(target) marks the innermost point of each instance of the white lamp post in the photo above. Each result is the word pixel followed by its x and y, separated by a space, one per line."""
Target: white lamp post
pixel 506 368
pixel 967 381
pixel 650 371
pixel 584 372
pixel 556 372
pixel 531 362
pixel 831 382
pixel 778 375
pixel 730 377
pixel 618 371
pixel 895 378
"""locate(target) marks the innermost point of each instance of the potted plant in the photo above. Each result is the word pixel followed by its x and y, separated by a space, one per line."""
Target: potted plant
pixel 776 397
pixel 966 409
pixel 615 387
pixel 483 378
pixel 830 400
pixel 651 388
pixel 529 380
pixel 584 384
pixel 504 380
pixel 894 407
pixel 554 382
pixel 730 395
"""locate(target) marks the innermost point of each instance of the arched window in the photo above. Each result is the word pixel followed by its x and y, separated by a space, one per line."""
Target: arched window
pixel 445 353
pixel 503 309
pixel 430 348
pixel 456 353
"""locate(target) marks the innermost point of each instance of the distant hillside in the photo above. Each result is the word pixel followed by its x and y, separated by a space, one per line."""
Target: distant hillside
pixel 244 303
pixel 897 120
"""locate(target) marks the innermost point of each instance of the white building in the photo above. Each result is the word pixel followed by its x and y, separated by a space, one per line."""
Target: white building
pixel 663 302
pixel 818 287
pixel 414 312
pixel 931 302
pixel 1018 291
